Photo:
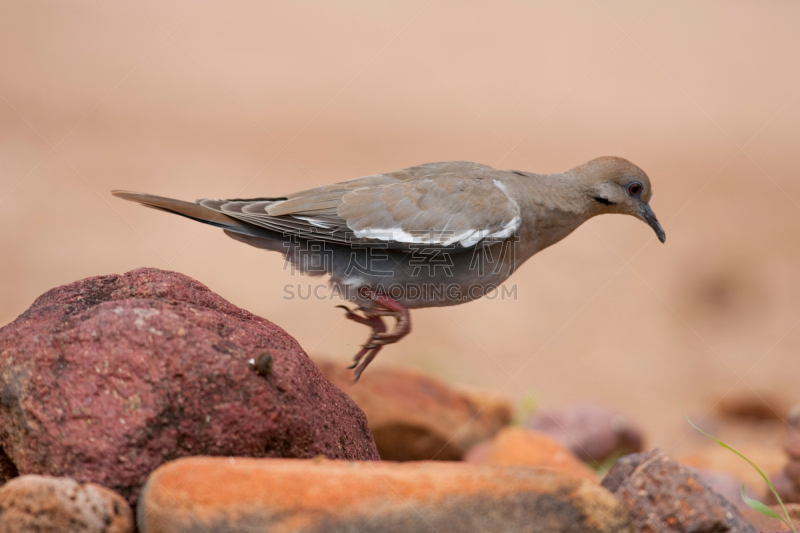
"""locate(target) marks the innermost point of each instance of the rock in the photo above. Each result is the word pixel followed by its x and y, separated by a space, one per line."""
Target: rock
pixel 727 486
pixel 787 482
pixel 106 378
pixel 788 491
pixel 792 471
pixel 793 418
pixel 205 494
pixel 793 444
pixel 765 523
pixel 792 468
pixel 514 446
pixel 416 417
pixel 47 504
pixel 751 406
pixel 662 495
pixel 594 433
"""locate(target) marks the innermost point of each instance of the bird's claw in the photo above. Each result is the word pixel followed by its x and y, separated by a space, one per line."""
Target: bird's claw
pixel 379 337
pixel 350 313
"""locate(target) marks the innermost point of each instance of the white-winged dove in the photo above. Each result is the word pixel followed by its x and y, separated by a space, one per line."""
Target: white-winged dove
pixel 433 235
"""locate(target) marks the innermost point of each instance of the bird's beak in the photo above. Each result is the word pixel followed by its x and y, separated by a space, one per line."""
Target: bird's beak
pixel 652 221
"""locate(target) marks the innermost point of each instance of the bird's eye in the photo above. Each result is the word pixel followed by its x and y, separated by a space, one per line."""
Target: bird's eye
pixel 634 188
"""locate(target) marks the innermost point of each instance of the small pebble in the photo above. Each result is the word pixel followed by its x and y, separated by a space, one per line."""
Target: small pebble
pixel 263 364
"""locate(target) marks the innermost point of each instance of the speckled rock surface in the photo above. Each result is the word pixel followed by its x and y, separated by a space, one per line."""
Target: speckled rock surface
pixel 107 378
pixel 416 417
pixel 44 504
pixel 215 495
pixel 662 495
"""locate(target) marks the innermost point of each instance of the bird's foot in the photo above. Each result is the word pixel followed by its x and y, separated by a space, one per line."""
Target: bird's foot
pixel 379 336
pixel 371 348
pixel 363 358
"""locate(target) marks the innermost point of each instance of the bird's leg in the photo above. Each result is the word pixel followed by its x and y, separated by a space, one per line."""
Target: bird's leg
pixel 379 336
pixel 369 350
pixel 396 310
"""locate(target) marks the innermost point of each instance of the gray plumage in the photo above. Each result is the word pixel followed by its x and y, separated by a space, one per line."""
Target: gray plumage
pixel 458 226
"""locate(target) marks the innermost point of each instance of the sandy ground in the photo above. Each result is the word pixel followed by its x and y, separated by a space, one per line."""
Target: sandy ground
pixel 240 99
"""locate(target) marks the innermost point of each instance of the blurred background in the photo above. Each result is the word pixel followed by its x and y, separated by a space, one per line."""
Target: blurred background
pixel 221 99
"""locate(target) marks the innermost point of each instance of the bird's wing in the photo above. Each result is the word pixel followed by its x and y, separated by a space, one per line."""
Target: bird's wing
pixel 454 204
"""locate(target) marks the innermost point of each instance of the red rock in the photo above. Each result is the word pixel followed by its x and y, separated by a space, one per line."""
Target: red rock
pixel 416 417
pixel 108 377
pixel 662 495
pixel 303 496
pixel 46 504
pixel 514 446
pixel 594 433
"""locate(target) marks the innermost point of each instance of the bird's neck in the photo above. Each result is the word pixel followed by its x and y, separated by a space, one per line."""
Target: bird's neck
pixel 559 194
pixel 553 206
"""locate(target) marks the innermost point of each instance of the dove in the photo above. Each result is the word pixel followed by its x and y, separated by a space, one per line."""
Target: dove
pixel 432 235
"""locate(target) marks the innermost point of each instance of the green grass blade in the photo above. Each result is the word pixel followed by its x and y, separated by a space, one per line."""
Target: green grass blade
pixel 785 518
pixel 526 410
pixel 761 508
pixel 602 468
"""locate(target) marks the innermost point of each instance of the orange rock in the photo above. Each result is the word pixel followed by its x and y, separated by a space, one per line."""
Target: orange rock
pixel 118 515
pixel 517 446
pixel 50 504
pixel 201 494
pixel 416 417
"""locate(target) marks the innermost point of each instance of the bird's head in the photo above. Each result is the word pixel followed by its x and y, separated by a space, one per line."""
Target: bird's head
pixel 615 185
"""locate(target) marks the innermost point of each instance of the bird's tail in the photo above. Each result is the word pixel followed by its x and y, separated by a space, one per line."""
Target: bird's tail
pixel 194 211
